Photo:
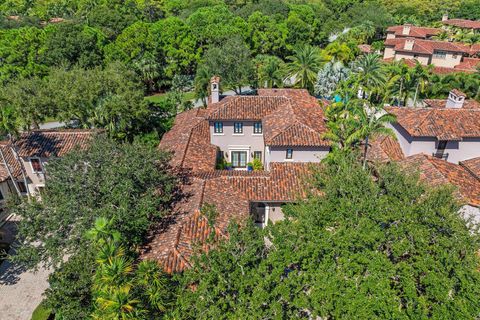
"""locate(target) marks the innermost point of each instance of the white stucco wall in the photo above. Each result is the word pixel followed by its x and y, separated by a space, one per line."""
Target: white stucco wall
pixel 388 53
pixel 300 154
pixel 227 140
pixel 35 180
pixel 457 150
pixel 450 61
pixel 275 212
pixel 423 59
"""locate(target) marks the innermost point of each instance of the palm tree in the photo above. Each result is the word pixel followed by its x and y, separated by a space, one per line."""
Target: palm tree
pixel 420 76
pixel 369 73
pixel 338 51
pixel 304 66
pixel 270 70
pixel 399 73
pixel 149 70
pixel 201 83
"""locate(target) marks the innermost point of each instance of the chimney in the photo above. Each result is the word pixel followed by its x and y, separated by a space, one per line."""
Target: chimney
pixel 456 99
pixel 445 17
pixel 409 42
pixel 406 29
pixel 214 90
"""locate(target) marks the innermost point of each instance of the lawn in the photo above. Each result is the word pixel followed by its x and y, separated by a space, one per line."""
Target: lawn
pixel 158 98
pixel 42 313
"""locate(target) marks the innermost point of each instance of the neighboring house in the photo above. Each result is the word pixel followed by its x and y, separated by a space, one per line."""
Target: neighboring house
pixel 443 54
pixel 411 31
pixel 437 172
pixel 461 23
pixel 447 129
pixel 281 127
pixel 27 157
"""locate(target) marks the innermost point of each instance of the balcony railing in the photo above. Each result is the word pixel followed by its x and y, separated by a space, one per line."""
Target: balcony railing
pixel 440 155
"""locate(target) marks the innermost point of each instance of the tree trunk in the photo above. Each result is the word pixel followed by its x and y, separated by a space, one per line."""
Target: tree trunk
pixel 401 88
pixel 365 153
pixel 415 97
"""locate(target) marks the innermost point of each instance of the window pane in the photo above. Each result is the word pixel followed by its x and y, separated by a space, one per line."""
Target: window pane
pixel 238 127
pixel 257 155
pixel 218 127
pixel 289 154
pixel 36 165
pixel 21 187
pixel 257 127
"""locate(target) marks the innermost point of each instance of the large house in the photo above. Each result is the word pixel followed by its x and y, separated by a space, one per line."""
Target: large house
pixel 461 23
pixel 412 43
pixel 24 159
pixel 447 129
pixel 283 128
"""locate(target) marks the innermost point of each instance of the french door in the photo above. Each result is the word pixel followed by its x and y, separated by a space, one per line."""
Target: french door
pixel 239 159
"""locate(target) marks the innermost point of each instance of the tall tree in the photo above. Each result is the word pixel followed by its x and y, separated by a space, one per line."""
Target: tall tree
pixel 328 78
pixel 370 75
pixel 270 71
pixel 304 65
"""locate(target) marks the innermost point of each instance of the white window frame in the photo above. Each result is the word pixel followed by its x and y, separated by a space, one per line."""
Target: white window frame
pixel 239 148
pixel 41 165
pixel 286 155
pixel 214 129
pixel 440 54
pixel 238 133
pixel 261 129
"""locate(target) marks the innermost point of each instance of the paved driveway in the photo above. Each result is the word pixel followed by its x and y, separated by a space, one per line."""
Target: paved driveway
pixel 20 290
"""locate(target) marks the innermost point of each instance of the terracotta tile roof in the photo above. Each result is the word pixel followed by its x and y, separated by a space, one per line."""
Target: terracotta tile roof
pixel 428 46
pixel 436 172
pixel 460 68
pixel 176 238
pixel 473 166
pixel 12 162
pixel 365 48
pixel 463 23
pixel 416 32
pixel 385 149
pixel 468 64
pixel 290 117
pixel 51 143
pixel 441 103
pixel 442 123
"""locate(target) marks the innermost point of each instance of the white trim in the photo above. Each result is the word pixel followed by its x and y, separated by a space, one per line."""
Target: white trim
pixel 239 149
pixel 238 134
pixel 31 166
pixel 267 211
pixel 257 134
pixel 219 134
pixel 288 160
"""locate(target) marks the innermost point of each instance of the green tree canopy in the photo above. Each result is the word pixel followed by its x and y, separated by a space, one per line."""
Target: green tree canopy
pixel 367 248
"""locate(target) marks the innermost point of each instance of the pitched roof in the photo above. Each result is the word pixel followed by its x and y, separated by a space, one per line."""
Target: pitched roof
pixel 463 23
pixel 441 123
pixel 436 172
pixel 473 166
pixel 421 46
pixel 176 237
pixel 51 143
pixel 290 117
pixel 11 160
pixel 385 149
pixel 416 32
pixel 365 48
pixel 441 103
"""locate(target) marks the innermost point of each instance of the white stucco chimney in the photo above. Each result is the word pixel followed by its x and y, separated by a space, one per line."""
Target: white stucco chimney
pixel 406 29
pixel 409 42
pixel 214 89
pixel 445 17
pixel 456 99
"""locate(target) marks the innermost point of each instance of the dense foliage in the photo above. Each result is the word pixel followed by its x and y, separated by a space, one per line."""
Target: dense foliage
pixel 127 183
pixel 368 249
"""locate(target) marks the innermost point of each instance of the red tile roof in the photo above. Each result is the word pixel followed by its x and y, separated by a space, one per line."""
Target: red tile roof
pixel 436 172
pixel 385 149
pixel 441 103
pixel 428 46
pixel 463 23
pixel 442 123
pixel 365 48
pixel 473 166
pixel 51 143
pixel 290 117
pixel 175 239
pixel 11 160
pixel 416 32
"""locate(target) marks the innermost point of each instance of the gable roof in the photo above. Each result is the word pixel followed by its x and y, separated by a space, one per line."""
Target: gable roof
pixel 463 23
pixel 176 238
pixel 385 149
pixel 417 32
pixel 473 166
pixel 421 46
pixel 441 123
pixel 12 162
pixel 436 172
pixel 290 117
pixel 51 143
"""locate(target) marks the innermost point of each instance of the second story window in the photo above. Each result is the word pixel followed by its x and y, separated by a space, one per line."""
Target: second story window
pixel 22 187
pixel 289 154
pixel 440 54
pixel 257 128
pixel 238 127
pixel 36 165
pixel 218 127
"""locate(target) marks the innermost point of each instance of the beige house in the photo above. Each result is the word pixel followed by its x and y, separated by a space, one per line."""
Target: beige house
pixel 411 31
pixel 461 23
pixel 445 128
pixel 24 160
